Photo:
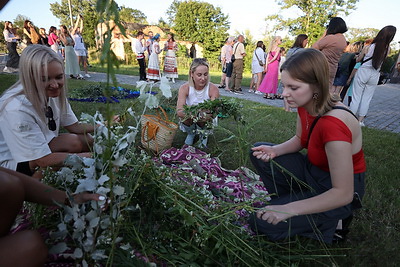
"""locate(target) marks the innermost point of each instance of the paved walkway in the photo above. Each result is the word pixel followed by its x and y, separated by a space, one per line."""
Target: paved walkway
pixel 384 111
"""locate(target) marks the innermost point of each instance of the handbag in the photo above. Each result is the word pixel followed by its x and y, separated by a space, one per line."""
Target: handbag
pixel 259 61
pixel 233 55
pixel 157 132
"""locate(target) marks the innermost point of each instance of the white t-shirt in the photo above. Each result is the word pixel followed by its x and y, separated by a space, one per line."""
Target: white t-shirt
pixel 23 135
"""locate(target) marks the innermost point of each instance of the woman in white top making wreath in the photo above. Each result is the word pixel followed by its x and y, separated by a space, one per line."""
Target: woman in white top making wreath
pixel 195 91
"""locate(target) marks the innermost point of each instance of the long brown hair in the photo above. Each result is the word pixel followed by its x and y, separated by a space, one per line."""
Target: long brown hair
pixel 6 27
pixel 310 66
pixel 382 42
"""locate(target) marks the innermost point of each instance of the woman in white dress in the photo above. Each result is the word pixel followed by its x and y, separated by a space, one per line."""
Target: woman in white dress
pixel 257 66
pixel 170 63
pixel 153 70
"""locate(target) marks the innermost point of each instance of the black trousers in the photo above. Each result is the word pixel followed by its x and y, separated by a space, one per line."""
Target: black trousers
pixel 142 69
pixel 13 57
pixel 309 181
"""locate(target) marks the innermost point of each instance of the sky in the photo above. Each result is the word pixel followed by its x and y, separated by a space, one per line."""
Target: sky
pixel 243 14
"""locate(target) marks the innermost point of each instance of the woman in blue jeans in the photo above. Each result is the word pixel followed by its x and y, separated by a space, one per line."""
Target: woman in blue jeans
pixel 317 190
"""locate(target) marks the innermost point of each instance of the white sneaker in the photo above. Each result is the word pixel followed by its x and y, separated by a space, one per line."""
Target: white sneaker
pixel 258 93
pixel 251 91
pixel 7 70
pixel 362 124
pixel 87 75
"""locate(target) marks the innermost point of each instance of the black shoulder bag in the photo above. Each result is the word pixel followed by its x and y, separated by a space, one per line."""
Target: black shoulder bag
pixel 233 55
pixel 259 61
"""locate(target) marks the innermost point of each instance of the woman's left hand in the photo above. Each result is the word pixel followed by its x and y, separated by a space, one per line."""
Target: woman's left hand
pixel 275 213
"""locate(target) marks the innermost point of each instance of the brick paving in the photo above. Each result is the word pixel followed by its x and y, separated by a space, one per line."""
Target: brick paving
pixel 384 111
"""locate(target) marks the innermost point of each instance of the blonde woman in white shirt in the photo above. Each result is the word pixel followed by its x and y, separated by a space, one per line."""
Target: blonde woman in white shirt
pixel 33 110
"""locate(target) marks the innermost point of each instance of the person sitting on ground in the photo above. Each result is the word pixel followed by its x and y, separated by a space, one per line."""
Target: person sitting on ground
pixel 326 185
pixel 33 110
pixel 195 91
pixel 27 248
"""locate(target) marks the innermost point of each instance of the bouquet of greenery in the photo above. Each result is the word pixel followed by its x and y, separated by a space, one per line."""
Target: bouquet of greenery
pixel 221 107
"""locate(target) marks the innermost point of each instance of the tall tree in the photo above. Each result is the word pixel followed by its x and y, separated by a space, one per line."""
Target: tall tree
pixel 200 22
pixel 313 15
pixel 85 8
pixel 163 24
pixel 128 14
pixel 361 34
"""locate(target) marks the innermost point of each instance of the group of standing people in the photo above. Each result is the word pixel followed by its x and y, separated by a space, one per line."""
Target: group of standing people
pixel 151 47
pixel 232 59
pixel 67 44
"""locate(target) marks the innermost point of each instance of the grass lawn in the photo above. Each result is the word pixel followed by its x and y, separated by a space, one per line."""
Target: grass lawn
pixel 373 240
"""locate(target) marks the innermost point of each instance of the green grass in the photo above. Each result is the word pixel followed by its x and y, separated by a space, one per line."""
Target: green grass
pixel 373 240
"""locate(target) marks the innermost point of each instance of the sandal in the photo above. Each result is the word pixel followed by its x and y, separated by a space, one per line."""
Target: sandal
pixel 269 97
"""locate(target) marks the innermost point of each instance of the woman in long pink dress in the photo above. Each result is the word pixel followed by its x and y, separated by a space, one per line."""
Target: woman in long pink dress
pixel 269 85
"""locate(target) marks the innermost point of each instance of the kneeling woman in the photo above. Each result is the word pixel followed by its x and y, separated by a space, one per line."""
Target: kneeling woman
pixel 195 91
pixel 32 112
pixel 330 178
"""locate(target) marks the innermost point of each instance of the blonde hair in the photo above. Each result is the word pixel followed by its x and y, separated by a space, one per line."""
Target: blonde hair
pixel 310 66
pixel 33 65
pixel 274 41
pixel 196 63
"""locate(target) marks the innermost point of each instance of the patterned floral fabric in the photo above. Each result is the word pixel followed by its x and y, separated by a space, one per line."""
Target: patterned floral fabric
pixel 240 185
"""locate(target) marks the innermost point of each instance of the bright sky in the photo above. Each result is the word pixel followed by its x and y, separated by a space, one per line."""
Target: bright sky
pixel 243 14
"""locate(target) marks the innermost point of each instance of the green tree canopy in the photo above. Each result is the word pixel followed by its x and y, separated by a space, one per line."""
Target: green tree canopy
pixel 128 14
pixel 313 15
pixel 360 34
pixel 85 8
pixel 200 22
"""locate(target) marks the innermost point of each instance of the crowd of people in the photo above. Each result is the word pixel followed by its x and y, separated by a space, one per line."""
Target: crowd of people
pixel 151 50
pixel 344 60
pixel 329 182
pixel 67 43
